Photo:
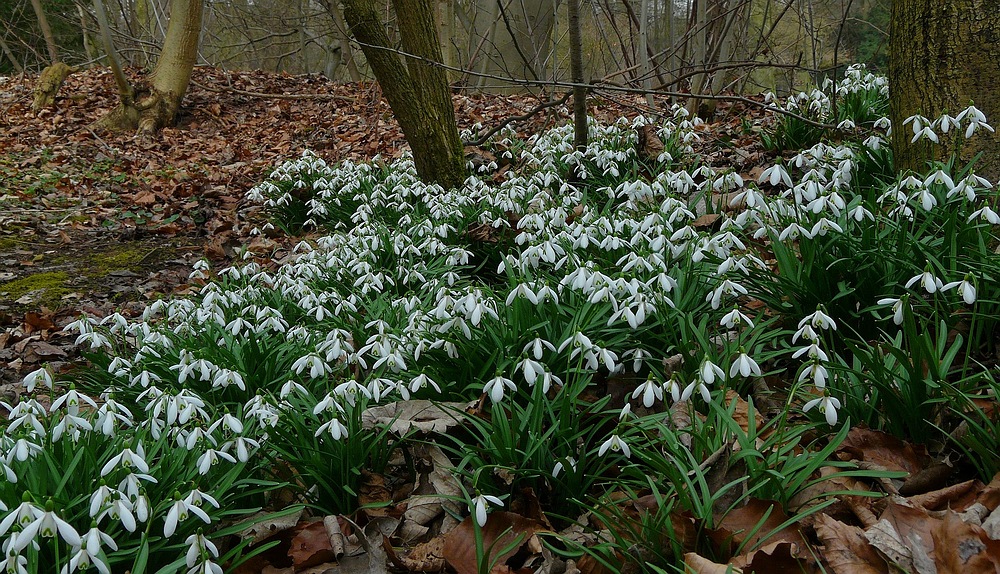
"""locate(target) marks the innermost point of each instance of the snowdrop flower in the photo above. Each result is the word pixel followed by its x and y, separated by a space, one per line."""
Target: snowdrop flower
pixel 827 405
pixel 819 319
pixel 986 214
pixel 495 387
pixel 673 387
pixel 210 458
pixel 314 363
pixel 697 385
pixel 860 212
pixel 37 376
pixel 200 555
pixel 744 365
pixel 735 317
pixel 26 513
pixel 811 352
pixel 650 391
pixel 709 372
pixel 965 287
pixel 478 506
pixel 128 459
pixel 774 175
pixel 537 346
pixel 569 461
pixel 977 119
pixel 927 280
pixel 897 307
pixel 47 525
pixel 615 444
pixel 334 428
pixel 727 288
pixel 179 512
pixel 815 371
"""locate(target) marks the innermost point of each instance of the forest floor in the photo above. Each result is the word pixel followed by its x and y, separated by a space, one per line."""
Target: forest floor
pixel 95 222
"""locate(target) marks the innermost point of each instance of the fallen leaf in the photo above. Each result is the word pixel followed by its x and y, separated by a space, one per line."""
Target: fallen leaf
pixel 502 535
pixel 846 549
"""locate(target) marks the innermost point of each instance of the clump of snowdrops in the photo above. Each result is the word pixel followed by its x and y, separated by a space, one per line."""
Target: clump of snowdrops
pixel 531 294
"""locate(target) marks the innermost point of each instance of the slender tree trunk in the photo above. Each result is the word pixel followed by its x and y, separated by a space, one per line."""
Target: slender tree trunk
pixel 943 56
pixel 580 133
pixel 43 24
pixel 155 105
pixel 417 90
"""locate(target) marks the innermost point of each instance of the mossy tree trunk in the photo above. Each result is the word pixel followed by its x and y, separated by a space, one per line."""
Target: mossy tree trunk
pixel 945 54
pixel 155 104
pixel 417 90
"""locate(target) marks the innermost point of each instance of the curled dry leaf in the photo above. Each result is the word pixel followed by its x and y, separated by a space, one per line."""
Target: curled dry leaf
pixel 961 548
pixel 884 450
pixel 697 564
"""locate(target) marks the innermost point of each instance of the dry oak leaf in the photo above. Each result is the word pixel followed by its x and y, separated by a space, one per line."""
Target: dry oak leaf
pixel 846 549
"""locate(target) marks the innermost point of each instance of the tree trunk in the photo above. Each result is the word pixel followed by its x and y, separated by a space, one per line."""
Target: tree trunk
pixel 944 55
pixel 48 84
pixel 417 90
pixel 43 24
pixel 155 106
pixel 580 131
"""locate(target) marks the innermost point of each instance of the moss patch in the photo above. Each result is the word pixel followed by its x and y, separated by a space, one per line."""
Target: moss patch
pixel 50 288
pixel 119 258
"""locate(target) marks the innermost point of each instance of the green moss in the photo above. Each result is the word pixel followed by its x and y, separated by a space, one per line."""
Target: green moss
pixel 123 257
pixel 51 288
pixel 7 243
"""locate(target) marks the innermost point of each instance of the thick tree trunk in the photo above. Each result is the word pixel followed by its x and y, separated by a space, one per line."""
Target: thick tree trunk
pixel 418 90
pixel 155 105
pixel 944 55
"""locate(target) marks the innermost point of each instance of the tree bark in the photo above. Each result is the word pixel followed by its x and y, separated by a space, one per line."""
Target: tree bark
pixel 580 130
pixel 417 90
pixel 944 55
pixel 43 24
pixel 156 105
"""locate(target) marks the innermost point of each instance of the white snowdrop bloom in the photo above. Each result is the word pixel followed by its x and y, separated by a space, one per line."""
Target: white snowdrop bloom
pixel 179 512
pixel 819 319
pixel 210 458
pixel 42 375
pixel 927 280
pixel 651 391
pixel 812 351
pixel 561 465
pixel 496 387
pixel 860 212
pixel 734 318
pixel 727 288
pixel 793 231
pixel 242 446
pixel 697 385
pixel 314 363
pixel 225 377
pixel 615 444
pixel 744 365
pixel 986 214
pixel 774 175
pixel 47 525
pixel 816 371
pixel 127 459
pixel 965 287
pixel 479 505
pixel 897 308
pixel 827 405
pixel 805 332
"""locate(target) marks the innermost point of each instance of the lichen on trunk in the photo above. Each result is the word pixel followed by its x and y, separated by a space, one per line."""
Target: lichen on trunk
pixel 49 82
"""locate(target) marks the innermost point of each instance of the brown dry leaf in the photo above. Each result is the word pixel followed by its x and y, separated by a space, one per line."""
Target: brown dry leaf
pixel 373 494
pixel 820 491
pixel 311 545
pixel 425 557
pixel 846 549
pixel 267 526
pixel 421 415
pixel 779 556
pixel 884 450
pixel 502 530
pixel 734 529
pixel 37 322
pixel 956 497
pixel 707 221
pixel 742 413
pixel 697 564
pixel 962 548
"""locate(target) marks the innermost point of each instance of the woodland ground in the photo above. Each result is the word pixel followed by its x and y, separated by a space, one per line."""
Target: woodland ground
pixel 92 222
